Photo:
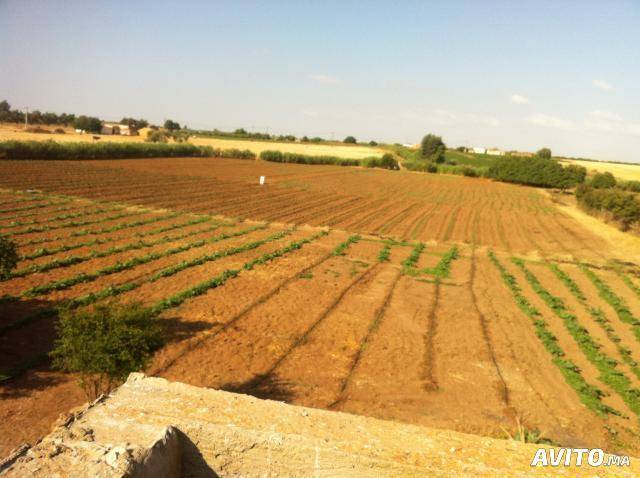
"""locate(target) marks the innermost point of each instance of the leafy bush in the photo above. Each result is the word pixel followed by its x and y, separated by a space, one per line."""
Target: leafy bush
pixel 8 257
pixel 633 186
pixel 534 171
pixel 88 123
pixel 280 157
pixel 603 181
pixel 171 125
pixel 544 153
pixel 373 143
pixel 624 207
pixel 386 162
pixel 52 150
pixel 105 344
pixel 350 140
pixel 433 148
pixel 157 136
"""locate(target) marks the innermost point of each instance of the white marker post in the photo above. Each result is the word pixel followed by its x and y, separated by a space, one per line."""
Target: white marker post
pixel 262 178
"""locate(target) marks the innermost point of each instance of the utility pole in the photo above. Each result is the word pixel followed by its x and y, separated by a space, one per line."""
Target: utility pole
pixel 26 117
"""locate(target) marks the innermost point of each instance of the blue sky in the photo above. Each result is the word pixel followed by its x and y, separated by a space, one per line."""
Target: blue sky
pixel 516 75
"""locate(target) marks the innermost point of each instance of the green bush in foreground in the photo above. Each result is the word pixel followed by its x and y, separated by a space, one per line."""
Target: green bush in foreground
pixel 604 180
pixel 8 257
pixel 105 344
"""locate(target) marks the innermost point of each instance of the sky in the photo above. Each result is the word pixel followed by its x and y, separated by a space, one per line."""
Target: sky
pixel 514 75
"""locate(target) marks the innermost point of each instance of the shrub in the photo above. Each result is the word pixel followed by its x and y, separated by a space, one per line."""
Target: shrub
pixel 52 150
pixel 105 344
pixel 171 125
pixel 544 153
pixel 157 136
pixel 603 181
pixel 8 256
pixel 387 161
pixel 633 186
pixel 350 140
pixel 88 123
pixel 624 207
pixel 432 148
pixel 373 143
pixel 579 173
pixel 534 171
pixel 280 157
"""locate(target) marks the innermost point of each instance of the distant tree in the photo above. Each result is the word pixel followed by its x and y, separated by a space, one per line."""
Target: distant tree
pixel 461 149
pixel 304 139
pixel 240 132
pixel 578 173
pixel 373 143
pixel 432 148
pixel 88 123
pixel 5 107
pixel 156 136
pixel 544 153
pixel 8 256
pixel 350 140
pixel 603 181
pixel 105 344
pixel 171 125
pixel 134 123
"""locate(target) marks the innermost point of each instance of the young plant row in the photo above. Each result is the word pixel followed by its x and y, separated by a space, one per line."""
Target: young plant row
pixel 115 290
pixel 606 365
pixel 342 247
pixel 615 301
pixel 598 316
pixel 132 246
pixel 42 252
pixel 61 217
pixel 442 269
pixel 85 277
pixel 412 261
pixel 38 213
pixel 590 395
pixel 203 287
pixel 105 230
pixel 33 206
pixel 627 280
pixel 385 253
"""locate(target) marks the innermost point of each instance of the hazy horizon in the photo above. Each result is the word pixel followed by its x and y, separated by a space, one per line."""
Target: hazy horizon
pixel 510 75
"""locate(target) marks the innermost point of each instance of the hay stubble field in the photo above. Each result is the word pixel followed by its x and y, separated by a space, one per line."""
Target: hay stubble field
pixel 437 300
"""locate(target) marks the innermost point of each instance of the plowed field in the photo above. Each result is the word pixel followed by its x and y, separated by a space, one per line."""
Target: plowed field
pixel 436 300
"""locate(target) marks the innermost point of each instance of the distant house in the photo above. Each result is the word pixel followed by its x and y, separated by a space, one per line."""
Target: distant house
pixel 521 154
pixel 478 150
pixel 495 152
pixel 115 128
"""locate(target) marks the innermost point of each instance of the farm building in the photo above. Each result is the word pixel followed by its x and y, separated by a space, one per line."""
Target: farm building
pixel 495 152
pixel 121 129
pixel 477 150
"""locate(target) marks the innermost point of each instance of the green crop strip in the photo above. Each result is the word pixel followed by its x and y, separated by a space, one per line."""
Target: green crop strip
pixel 36 213
pixel 442 269
pixel 69 224
pixel 588 394
pixel 412 261
pixel 33 206
pixel 598 316
pixel 61 217
pixel 130 264
pixel 96 242
pixel 630 284
pixel 342 247
pixel 73 260
pixel 104 230
pixel 609 374
pixel 385 253
pixel 615 301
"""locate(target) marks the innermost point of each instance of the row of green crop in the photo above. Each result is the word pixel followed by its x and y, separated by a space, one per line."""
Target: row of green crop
pixel 14 200
pixel 105 230
pixel 441 270
pixel 162 305
pixel 598 316
pixel 33 206
pixel 590 395
pixel 38 213
pixel 385 253
pixel 615 301
pixel 606 365
pixel 85 277
pixel 78 259
pixel 61 217
pixel 42 252
pixel 69 224
pixel 342 247
pixel 627 280
pixel 50 150
pixel 412 261
pixel 280 157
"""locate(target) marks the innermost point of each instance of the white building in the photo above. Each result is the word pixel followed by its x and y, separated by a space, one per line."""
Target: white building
pixel 115 128
pixel 479 150
pixel 495 152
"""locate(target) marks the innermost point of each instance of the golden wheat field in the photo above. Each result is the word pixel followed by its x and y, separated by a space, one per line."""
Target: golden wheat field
pixel 627 172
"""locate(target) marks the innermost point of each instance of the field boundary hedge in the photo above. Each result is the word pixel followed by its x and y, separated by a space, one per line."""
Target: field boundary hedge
pixel 54 151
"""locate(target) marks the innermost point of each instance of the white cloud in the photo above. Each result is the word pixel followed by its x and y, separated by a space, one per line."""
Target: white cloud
pixel 309 113
pixel 325 79
pixel 519 99
pixel 603 85
pixel 603 121
pixel 550 121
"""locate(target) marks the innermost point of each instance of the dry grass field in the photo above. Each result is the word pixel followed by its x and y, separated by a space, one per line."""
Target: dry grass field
pixel 437 300
pixel 627 172
pixel 16 132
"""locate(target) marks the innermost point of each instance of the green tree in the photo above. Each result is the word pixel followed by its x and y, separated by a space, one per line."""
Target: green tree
pixel 8 256
pixel 544 153
pixel 134 123
pixel 105 344
pixel 603 180
pixel 88 123
pixel 432 148
pixel 373 143
pixel 350 140
pixel 156 136
pixel 171 125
